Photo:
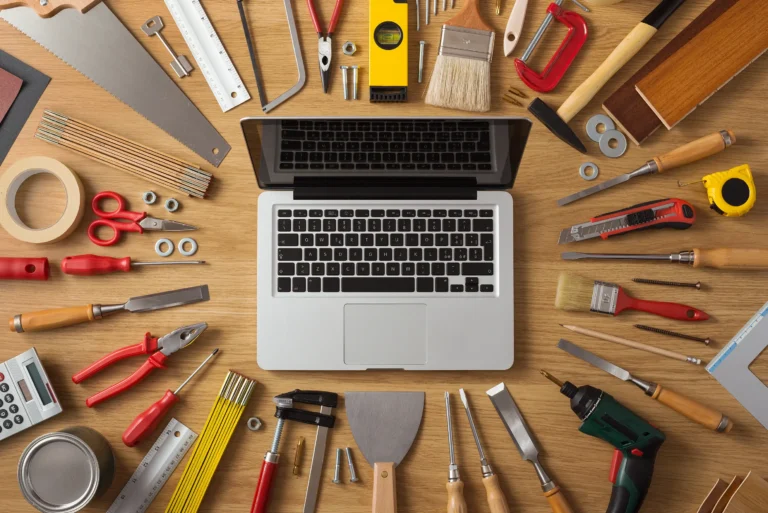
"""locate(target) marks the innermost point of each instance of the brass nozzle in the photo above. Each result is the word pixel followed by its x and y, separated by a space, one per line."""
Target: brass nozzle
pixel 552 378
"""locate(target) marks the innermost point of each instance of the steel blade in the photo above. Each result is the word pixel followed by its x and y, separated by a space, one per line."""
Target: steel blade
pixel 594 189
pixel 99 46
pixel 593 359
pixel 514 422
pixel 168 299
pixel 572 255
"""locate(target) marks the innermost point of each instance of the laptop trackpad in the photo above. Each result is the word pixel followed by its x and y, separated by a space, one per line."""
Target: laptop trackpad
pixel 385 334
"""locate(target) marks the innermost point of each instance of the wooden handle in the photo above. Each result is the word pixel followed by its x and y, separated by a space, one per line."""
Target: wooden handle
pixel 514 26
pixel 384 490
pixel 693 151
pixel 627 49
pixel 496 500
pixel 456 502
pixel 468 17
pixel 557 501
pixel 731 258
pixel 51 8
pixel 56 318
pixel 695 411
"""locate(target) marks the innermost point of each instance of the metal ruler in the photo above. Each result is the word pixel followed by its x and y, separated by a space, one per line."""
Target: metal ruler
pixel 209 52
pixel 155 469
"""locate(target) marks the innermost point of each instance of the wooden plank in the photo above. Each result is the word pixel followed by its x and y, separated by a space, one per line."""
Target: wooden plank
pixel 627 108
pixel 714 495
pixel 751 497
pixel 708 62
pixel 727 494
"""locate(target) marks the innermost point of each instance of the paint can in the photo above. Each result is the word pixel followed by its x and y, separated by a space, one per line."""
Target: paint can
pixel 63 472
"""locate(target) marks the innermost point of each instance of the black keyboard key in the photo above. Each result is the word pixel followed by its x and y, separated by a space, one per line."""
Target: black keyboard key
pixel 486 241
pixel 321 239
pixel 393 269
pixel 302 269
pixel 345 225
pixel 427 239
pixel 441 284
pixel 362 213
pixel 457 239
pixel 366 239
pixel 299 285
pixel 454 167
pixel 465 225
pixel 288 255
pixel 310 254
pixel 434 225
pixel 409 213
pixel 447 158
pixel 301 166
pixel 430 254
pixel 411 239
pixel 475 269
pixel 337 239
pixel 396 239
pixel 408 269
pixel 389 225
pixel 358 225
pixel 318 269
pixel 295 135
pixel 382 239
pixel 301 156
pixel 476 254
pixel 309 146
pixel 439 213
pixel 338 146
pixel 486 288
pixel 351 239
pixel 307 239
pixel 389 158
pixel 315 225
pixel 486 213
pixel 441 239
pixel 385 254
pixel 449 225
pixel 422 269
pixel 453 269
pixel 370 254
pixel 446 254
pixel 404 225
pixel 288 239
pixel 401 254
pixel 471 281
pixel 415 254
pixel 283 284
pixel 286 156
pixel 438 269
pixel 377 269
pixel 377 213
pixel 471 239
pixel 333 269
pixel 424 213
pixel 330 284
pixel 425 285
pixel 300 213
pixel 283 213
pixel 460 254
pixel 454 213
pixel 472 288
pixel 290 123
pixel 363 269
pixel 286 269
pixel 316 156
pixel 457 288
pixel 480 158
pixel 348 269
pixel 355 254
pixel 314 284
pixel 347 213
pixel 329 225
pixel 482 225
pixel 326 254
pixel 299 225
pixel 283 225
pixel 374 225
pixel 313 136
pixel 419 225
pixel 374 158
pixel 340 254
pixel 331 213
pixel 378 285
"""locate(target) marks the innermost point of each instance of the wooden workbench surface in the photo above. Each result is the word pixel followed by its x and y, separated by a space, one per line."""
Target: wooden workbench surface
pixel 688 464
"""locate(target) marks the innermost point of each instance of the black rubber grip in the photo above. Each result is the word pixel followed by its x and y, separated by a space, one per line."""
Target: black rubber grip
pixel 640 471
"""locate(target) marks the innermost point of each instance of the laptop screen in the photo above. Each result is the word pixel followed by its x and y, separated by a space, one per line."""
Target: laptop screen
pixel 484 151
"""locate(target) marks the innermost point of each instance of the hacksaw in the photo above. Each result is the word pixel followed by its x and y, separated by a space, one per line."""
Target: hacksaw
pixel 89 37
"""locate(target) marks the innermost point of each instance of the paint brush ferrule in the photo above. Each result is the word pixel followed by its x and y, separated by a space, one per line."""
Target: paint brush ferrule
pixel 467 43
pixel 605 296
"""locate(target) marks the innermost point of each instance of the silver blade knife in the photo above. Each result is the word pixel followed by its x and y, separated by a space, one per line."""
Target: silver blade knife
pixel 99 46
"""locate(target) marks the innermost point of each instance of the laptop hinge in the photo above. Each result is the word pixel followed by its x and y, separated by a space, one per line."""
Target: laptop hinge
pixel 384 188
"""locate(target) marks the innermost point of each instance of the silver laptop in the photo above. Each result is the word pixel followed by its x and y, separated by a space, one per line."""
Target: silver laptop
pixel 385 243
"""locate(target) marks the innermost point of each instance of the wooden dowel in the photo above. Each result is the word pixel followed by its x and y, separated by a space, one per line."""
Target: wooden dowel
pixel 633 344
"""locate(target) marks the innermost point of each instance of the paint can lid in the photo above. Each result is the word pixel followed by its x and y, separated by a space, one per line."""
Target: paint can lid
pixel 58 473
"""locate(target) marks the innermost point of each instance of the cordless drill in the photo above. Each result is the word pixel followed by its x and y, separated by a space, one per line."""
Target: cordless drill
pixel 636 442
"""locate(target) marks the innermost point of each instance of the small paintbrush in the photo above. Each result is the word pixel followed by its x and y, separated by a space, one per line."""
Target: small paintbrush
pixel 578 294
pixel 462 75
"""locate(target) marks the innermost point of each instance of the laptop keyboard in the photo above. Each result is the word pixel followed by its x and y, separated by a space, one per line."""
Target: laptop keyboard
pixel 385 250
pixel 394 145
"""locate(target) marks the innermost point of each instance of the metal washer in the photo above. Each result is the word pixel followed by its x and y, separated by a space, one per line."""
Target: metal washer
pixel 583 171
pixel 159 244
pixel 594 121
pixel 193 246
pixel 605 144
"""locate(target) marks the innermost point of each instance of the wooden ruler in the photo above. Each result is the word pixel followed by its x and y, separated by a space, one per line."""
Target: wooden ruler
pixel 708 62
pixel 628 108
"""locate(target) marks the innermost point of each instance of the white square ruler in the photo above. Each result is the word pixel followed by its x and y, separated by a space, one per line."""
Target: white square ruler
pixel 209 52
pixel 731 366
pixel 155 469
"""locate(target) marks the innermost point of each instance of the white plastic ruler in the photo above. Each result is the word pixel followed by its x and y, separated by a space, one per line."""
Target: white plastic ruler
pixel 155 469
pixel 207 49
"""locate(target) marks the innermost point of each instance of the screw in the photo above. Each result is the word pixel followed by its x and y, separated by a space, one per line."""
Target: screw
pixel 418 20
pixel 426 11
pixel 43 3
pixel 705 341
pixel 337 474
pixel 354 82
pixel 422 44
pixel 344 81
pixel 696 285
pixel 352 474
pixel 434 6
pixel 297 455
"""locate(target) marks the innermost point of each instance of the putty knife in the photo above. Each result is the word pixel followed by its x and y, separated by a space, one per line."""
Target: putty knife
pixel 384 425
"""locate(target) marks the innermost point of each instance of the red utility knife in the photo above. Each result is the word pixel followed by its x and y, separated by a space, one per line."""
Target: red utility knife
pixel 666 213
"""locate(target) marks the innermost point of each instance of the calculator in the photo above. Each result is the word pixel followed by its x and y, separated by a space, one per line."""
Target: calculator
pixel 26 395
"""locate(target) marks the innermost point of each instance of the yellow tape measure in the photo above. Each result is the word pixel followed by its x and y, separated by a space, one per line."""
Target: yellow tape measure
pixel 731 193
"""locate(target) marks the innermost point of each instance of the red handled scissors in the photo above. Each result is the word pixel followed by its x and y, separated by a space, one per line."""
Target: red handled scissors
pixel 130 221
pixel 159 349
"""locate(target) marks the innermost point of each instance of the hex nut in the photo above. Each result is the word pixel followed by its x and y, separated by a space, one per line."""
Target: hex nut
pixel 349 48
pixel 254 423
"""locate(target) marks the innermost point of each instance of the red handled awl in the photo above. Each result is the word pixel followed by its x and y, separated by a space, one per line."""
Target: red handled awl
pixel 90 265
pixel 24 268
pixel 147 421
pixel 667 213
pixel 159 349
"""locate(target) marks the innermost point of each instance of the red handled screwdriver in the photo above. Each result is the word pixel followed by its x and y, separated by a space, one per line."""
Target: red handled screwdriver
pixel 148 420
pixel 90 265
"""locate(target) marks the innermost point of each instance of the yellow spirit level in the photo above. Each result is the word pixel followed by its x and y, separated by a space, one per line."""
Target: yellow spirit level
pixel 388 43
pixel 731 193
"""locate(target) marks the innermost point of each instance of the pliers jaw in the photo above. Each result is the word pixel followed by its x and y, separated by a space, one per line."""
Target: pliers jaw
pixel 324 59
pixel 180 338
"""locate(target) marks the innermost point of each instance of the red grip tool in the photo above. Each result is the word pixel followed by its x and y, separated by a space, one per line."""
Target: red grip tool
pixel 89 265
pixel 669 310
pixel 268 472
pixel 24 268
pixel 147 346
pixel 156 361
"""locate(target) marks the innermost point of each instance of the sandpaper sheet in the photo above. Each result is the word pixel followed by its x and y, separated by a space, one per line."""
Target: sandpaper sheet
pixel 32 88
pixel 9 88
pixel 707 63
pixel 627 107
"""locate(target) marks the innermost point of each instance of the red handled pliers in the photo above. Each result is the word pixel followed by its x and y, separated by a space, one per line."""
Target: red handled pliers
pixel 324 41
pixel 159 349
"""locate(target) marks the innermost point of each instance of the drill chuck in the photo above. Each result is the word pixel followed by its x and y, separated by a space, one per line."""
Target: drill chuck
pixel 584 399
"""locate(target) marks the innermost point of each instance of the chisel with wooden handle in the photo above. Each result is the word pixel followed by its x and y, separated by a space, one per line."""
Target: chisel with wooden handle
pixel 687 154
pixel 733 259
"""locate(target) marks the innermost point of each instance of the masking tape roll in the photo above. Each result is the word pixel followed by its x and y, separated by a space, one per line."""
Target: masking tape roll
pixel 20 172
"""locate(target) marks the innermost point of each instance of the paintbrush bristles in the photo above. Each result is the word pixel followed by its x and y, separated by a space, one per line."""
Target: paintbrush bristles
pixel 574 293
pixel 460 83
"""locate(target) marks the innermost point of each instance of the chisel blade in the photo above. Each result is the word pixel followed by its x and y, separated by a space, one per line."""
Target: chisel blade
pixel 168 299
pixel 594 189
pixel 100 47
pixel 593 359
pixel 513 420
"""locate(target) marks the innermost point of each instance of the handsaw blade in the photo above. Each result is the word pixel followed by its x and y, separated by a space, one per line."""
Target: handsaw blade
pixel 593 359
pixel 168 299
pixel 594 189
pixel 100 47
pixel 514 422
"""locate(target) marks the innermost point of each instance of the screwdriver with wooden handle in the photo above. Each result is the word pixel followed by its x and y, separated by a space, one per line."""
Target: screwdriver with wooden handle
pixel 687 154
pixel 455 487
pixel 734 259
pixel 495 496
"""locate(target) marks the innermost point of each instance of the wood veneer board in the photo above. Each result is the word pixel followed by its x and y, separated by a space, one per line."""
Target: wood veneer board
pixel 708 62
pixel 627 107
pixel 714 495
pixel 727 494
pixel 750 497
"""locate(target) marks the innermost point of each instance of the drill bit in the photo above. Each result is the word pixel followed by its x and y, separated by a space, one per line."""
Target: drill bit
pixel 551 378
pixel 297 456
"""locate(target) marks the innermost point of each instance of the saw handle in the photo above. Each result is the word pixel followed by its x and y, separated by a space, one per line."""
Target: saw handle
pixel 557 501
pixel 497 503
pixel 50 319
pixel 730 258
pixel 695 411
pixel 51 8
pixel 694 151
pixel 384 489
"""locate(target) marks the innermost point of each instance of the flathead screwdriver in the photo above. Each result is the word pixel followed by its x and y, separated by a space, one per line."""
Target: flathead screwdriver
pixel 495 496
pixel 90 265
pixel 456 502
